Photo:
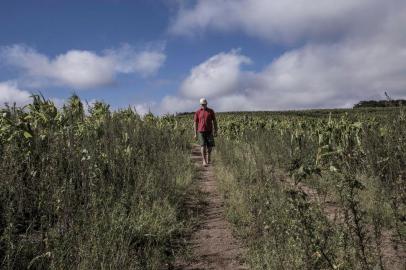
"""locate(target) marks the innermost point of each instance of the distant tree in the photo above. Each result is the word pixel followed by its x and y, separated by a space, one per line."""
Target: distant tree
pixel 380 103
pixel 183 113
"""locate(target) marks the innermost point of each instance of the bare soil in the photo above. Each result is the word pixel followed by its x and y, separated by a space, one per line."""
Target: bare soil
pixel 211 244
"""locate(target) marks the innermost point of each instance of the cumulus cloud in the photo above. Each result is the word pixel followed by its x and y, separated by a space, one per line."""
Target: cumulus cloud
pixel 171 104
pixel 175 104
pixel 143 108
pixel 353 50
pixel 331 75
pixel 313 76
pixel 82 69
pixel 146 62
pixel 283 20
pixel 10 94
pixel 215 77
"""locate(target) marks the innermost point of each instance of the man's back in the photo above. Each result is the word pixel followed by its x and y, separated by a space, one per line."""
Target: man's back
pixel 204 117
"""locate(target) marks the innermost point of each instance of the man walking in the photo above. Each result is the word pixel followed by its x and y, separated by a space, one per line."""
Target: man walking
pixel 205 127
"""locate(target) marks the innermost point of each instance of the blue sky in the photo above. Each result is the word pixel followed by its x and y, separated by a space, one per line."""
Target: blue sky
pixel 241 55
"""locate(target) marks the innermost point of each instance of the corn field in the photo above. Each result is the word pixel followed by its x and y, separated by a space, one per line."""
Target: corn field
pixel 96 190
pixel 317 189
pixel 106 190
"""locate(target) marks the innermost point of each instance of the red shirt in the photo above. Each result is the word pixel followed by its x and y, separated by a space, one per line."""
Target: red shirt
pixel 204 118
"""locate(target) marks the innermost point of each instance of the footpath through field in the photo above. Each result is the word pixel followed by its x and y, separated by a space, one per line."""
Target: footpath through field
pixel 212 245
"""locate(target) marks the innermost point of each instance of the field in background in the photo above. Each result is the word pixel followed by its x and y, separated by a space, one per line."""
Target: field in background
pixel 317 189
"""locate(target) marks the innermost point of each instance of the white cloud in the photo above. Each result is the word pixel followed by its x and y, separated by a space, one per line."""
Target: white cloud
pixel 217 76
pixel 284 20
pixel 235 102
pixel 354 50
pixel 331 75
pixel 82 69
pixel 313 76
pixel 10 93
pixel 144 108
pixel 146 62
pixel 174 104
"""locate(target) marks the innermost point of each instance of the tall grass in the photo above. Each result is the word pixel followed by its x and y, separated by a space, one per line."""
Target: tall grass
pixel 355 164
pixel 96 191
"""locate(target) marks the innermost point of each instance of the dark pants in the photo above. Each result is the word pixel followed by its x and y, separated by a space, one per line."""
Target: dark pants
pixel 206 138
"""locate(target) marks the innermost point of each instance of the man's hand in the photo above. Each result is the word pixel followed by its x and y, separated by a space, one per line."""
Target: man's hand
pixel 215 133
pixel 195 136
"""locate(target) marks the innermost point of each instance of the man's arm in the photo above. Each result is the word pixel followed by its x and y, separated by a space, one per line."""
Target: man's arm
pixel 195 125
pixel 195 128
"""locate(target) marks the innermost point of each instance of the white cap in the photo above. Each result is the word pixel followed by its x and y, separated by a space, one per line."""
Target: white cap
pixel 203 101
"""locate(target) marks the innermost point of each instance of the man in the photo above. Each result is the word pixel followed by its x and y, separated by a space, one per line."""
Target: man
pixel 205 127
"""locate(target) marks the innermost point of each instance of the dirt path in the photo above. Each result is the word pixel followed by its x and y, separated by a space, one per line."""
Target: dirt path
pixel 211 244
